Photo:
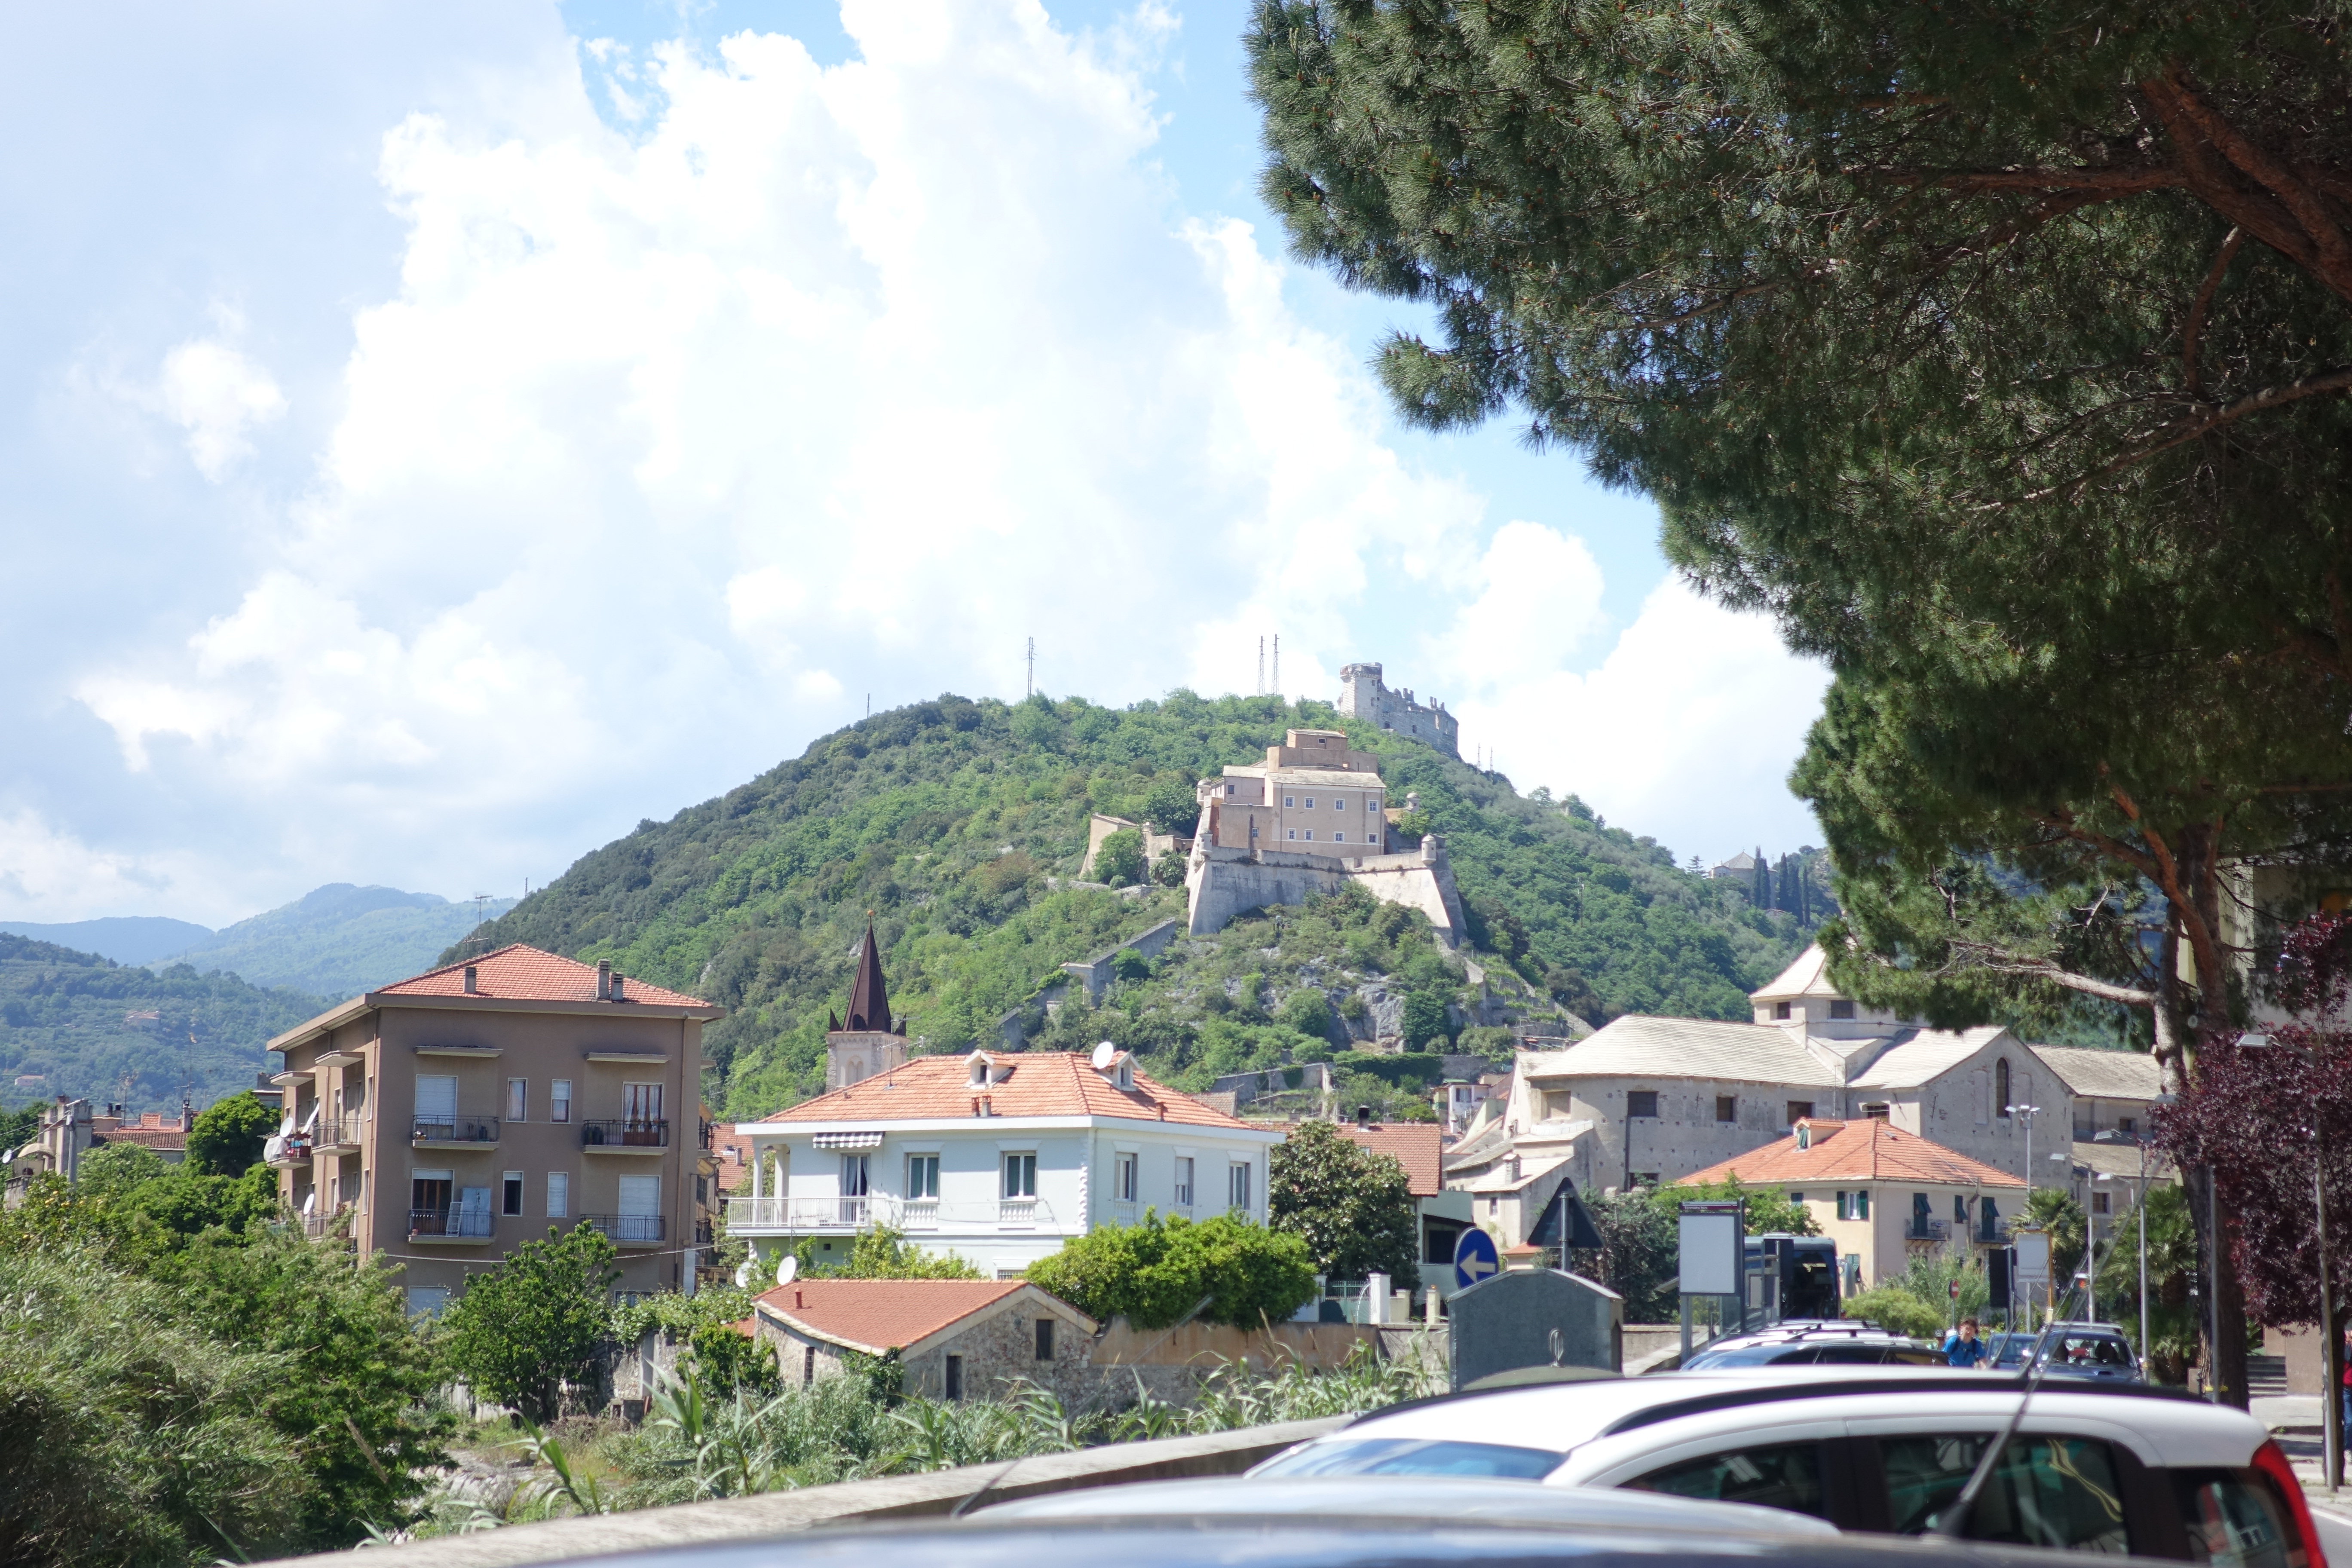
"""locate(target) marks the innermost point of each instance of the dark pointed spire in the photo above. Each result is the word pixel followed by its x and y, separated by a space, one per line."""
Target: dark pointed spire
pixel 869 999
pixel 831 1024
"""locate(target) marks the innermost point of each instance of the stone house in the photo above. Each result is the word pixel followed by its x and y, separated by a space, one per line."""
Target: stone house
pixel 1883 1194
pixel 70 1129
pixel 955 1339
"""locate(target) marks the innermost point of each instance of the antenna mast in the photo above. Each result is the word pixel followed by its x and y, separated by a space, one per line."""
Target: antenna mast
pixel 1261 666
pixel 1278 663
pixel 1029 681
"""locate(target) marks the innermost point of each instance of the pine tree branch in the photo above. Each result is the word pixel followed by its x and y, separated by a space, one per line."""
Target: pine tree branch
pixel 2192 336
pixel 1970 182
pixel 2309 211
pixel 2001 961
pixel 2204 422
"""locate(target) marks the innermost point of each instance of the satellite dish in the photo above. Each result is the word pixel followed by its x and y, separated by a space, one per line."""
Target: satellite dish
pixel 743 1275
pixel 789 1268
pixel 1105 1054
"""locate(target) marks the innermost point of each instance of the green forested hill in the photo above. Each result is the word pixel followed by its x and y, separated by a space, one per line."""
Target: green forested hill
pixel 76 1024
pixel 957 825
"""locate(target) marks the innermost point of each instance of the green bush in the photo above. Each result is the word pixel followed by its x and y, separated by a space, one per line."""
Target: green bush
pixel 1156 1271
pixel 1897 1311
pixel 1169 869
pixel 729 1362
pixel 883 1253
pixel 1425 1019
pixel 1172 808
pixel 1118 860
pixel 536 1322
pixel 1309 1012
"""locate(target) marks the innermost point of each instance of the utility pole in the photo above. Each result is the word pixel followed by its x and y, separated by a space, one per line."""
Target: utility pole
pixel 1029 681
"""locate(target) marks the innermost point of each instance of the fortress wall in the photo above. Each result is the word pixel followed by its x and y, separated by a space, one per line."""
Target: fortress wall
pixel 1224 883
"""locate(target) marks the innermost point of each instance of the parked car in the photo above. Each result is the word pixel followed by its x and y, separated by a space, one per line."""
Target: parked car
pixel 1814 1343
pixel 2104 1468
pixel 2098 1352
pixel 1355 1522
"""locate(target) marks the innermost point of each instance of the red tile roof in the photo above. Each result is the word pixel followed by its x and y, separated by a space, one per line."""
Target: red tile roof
pixel 156 1138
pixel 1415 1145
pixel 1039 1083
pixel 883 1314
pixel 522 973
pixel 1855 1151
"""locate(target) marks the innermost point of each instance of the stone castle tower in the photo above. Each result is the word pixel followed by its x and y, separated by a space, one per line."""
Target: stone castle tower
pixel 868 1042
pixel 1362 695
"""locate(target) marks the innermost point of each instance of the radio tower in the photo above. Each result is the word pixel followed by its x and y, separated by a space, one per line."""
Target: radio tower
pixel 1029 681
pixel 1278 663
pixel 1261 667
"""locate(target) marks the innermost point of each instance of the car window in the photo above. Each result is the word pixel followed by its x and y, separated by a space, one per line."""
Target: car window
pixel 1412 1457
pixel 1853 1356
pixel 2091 1350
pixel 2053 1492
pixel 1785 1476
pixel 2236 1523
pixel 1771 1354
pixel 1912 1355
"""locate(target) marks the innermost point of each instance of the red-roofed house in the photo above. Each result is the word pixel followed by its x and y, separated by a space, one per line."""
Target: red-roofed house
pixel 1444 1215
pixel 956 1339
pixel 997 1157
pixel 1883 1193
pixel 467 1110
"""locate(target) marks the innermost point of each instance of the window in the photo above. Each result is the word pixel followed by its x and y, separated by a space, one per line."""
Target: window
pixel 436 1100
pixel 808 1365
pixel 1796 1197
pixel 1231 790
pixel 1786 1475
pixel 955 1377
pixel 922 1175
pixel 702 1190
pixel 2000 1087
pixel 643 1102
pixel 1779 1009
pixel 854 1175
pixel 2098 1203
pixel 1044 1339
pixel 559 1101
pixel 1645 1178
pixel 640 1213
pixel 1641 1103
pixel 426 1301
pixel 1291 832
pixel 518 1099
pixel 1959 1209
pixel 2127 1124
pixel 1800 1111
pixel 429 1202
pixel 1184 1181
pixel 1726 1108
pixel 1237 1187
pixel 1123 1177
pixel 558 1195
pixel 511 1195
pixel 1854 1205
pixel 1842 1010
pixel 1310 803
pixel 1020 1175
pixel 2233 1519
pixel 1338 838
pixel 1311 834
pixel 2050 1491
pixel 1288 803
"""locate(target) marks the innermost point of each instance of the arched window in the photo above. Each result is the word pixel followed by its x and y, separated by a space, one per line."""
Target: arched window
pixel 2000 1087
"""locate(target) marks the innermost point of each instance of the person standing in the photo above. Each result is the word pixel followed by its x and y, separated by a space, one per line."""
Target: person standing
pixel 1964 1349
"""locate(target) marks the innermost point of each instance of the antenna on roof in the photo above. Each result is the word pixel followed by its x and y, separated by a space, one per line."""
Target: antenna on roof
pixel 1105 1054
pixel 789 1268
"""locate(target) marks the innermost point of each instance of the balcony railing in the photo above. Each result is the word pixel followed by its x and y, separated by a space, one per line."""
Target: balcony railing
pixel 463 1128
pixel 288 1149
pixel 627 1227
pixel 1122 1213
pixel 449 1222
pixel 339 1132
pixel 344 1219
pixel 836 1214
pixel 1926 1230
pixel 624 1132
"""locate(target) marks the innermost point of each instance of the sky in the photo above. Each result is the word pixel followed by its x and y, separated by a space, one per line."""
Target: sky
pixel 442 435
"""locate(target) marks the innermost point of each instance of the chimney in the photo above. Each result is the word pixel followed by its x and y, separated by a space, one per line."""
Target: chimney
pixel 603 978
pixel 799 1304
pixel 1363 1116
pixel 616 988
pixel 472 981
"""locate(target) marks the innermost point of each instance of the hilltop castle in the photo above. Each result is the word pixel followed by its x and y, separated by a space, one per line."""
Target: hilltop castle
pixel 1312 818
pixel 1362 696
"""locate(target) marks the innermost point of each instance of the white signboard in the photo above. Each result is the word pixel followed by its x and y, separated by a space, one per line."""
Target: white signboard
pixel 2032 1257
pixel 1714 1255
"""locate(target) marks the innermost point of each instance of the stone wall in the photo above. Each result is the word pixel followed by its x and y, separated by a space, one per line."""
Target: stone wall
pixel 1095 973
pixel 1000 1352
pixel 1224 883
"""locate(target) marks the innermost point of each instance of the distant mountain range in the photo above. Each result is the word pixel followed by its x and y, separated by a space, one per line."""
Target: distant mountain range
pixel 333 942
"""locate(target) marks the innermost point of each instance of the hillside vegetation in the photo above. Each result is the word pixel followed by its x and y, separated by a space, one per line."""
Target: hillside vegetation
pixel 337 940
pixel 959 825
pixel 76 1024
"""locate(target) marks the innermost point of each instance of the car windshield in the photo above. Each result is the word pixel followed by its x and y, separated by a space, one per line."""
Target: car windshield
pixel 1412 1457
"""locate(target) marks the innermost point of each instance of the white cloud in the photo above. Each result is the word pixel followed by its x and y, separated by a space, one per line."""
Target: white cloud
pixel 46 873
pixel 1685 731
pixel 219 396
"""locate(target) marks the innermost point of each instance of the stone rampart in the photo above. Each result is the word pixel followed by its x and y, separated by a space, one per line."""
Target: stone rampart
pixel 1224 882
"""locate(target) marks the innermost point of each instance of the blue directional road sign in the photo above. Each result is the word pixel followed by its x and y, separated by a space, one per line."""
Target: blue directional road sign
pixel 1474 1258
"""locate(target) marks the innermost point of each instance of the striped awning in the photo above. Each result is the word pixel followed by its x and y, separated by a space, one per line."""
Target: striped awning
pixel 849 1140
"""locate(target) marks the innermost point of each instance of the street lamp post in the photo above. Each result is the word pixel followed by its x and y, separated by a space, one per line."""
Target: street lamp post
pixel 2026 1113
pixel 2140 1202
pixel 2331 1344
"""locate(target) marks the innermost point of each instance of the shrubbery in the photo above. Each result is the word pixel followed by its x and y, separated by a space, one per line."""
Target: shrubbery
pixel 1353 1208
pixel 1156 1272
pixel 536 1322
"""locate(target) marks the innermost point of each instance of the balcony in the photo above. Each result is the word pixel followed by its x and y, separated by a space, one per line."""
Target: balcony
pixel 805 1217
pixel 625 1136
pixel 1926 1230
pixel 465 1128
pixel 287 1152
pixel 449 1224
pixel 628 1229
pixel 341 1222
pixel 1122 1213
pixel 339 1132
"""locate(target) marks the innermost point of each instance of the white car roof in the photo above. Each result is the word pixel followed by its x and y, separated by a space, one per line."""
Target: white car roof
pixel 1417 1498
pixel 1646 1414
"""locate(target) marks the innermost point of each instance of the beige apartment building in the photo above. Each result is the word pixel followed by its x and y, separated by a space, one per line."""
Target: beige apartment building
pixel 1313 796
pixel 447 1118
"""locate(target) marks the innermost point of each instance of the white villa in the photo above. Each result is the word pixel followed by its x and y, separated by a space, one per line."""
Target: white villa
pixel 996 1157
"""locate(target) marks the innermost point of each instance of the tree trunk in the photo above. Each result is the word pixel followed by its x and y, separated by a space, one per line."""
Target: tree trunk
pixel 2199 850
